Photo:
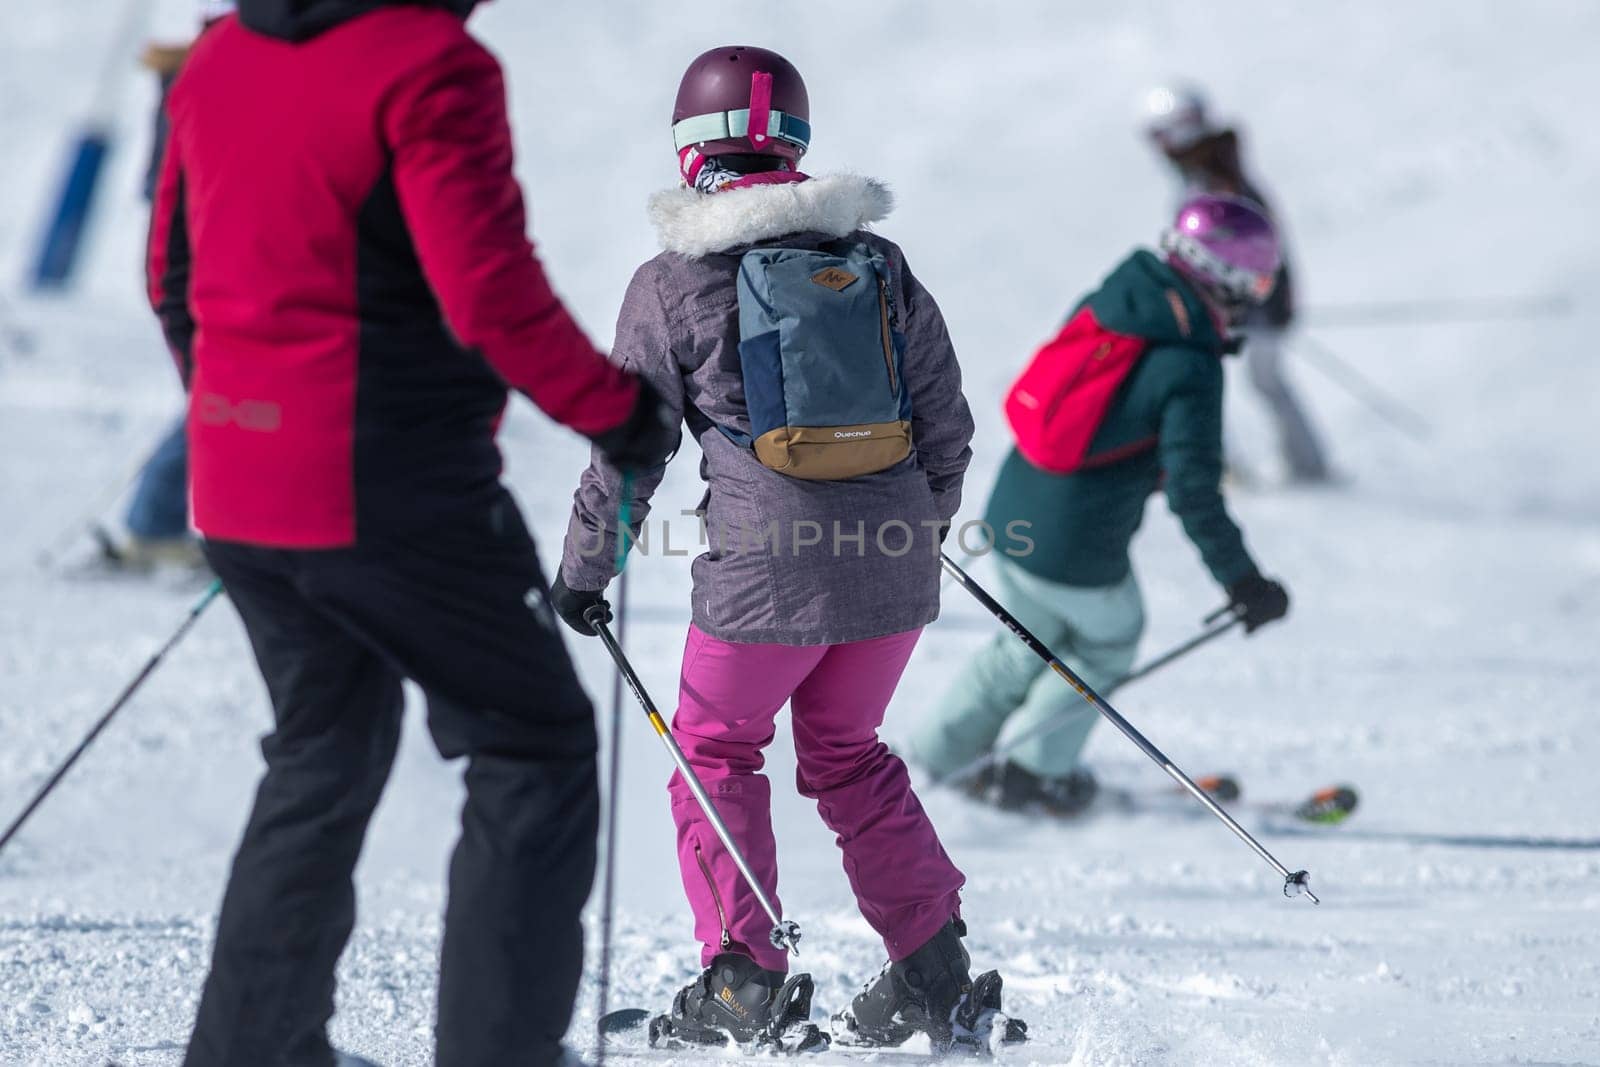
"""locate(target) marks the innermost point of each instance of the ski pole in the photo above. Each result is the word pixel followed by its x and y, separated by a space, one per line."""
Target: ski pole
pixel 1050 726
pixel 1295 883
pixel 1405 312
pixel 966 561
pixel 785 933
pixel 609 887
pixel 211 593
pixel 1338 370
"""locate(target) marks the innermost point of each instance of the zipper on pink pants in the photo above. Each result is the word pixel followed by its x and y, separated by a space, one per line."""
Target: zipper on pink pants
pixel 716 898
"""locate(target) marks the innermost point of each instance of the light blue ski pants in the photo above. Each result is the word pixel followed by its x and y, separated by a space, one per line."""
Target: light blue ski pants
pixel 1006 689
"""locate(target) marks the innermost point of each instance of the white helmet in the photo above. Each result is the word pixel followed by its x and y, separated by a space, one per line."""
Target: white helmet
pixel 1175 116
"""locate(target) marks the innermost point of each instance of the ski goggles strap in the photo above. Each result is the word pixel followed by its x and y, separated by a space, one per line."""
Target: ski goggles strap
pixel 1245 284
pixel 725 125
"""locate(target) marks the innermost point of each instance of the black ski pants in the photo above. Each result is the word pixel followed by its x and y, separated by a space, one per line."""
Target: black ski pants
pixel 462 611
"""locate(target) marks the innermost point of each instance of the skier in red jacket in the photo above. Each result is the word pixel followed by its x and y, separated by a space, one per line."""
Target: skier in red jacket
pixel 339 260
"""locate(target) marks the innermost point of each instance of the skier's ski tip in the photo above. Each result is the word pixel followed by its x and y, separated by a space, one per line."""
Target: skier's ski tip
pixel 623 1021
pixel 1329 806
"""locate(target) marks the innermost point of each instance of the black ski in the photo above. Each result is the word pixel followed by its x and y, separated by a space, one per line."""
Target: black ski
pixel 790 1033
pixel 623 1021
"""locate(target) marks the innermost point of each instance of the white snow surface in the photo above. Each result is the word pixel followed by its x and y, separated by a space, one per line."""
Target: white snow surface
pixel 1441 654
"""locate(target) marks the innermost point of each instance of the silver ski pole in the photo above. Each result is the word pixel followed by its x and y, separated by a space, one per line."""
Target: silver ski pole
pixel 1295 883
pixel 609 890
pixel 785 933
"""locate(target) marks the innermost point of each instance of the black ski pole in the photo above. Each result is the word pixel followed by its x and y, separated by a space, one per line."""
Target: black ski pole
pixel 1050 726
pixel 1338 370
pixel 785 933
pixel 609 886
pixel 211 593
pixel 1295 883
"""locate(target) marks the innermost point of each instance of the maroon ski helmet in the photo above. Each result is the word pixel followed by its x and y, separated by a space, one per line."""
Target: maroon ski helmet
pixel 738 99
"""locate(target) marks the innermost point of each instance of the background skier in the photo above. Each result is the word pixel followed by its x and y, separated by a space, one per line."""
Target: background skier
pixel 828 624
pixel 1073 585
pixel 339 261
pixel 158 514
pixel 1207 159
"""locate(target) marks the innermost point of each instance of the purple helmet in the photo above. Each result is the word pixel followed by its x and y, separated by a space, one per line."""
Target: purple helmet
pixel 739 99
pixel 1227 245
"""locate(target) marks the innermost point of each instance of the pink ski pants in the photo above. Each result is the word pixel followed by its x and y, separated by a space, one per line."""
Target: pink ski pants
pixel 730 695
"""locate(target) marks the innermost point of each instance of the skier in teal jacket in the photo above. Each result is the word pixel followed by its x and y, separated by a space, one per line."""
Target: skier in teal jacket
pixel 1068 576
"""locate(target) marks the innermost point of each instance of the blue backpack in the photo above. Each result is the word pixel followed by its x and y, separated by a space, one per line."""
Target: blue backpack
pixel 822 363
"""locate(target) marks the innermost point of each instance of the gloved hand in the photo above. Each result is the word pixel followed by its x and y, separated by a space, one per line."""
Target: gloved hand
pixel 1258 600
pixel 646 439
pixel 573 604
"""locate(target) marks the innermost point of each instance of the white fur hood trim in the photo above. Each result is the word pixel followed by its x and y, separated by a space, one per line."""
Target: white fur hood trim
pixel 697 224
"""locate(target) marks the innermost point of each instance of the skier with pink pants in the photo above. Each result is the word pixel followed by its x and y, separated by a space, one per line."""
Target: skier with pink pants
pixel 818 379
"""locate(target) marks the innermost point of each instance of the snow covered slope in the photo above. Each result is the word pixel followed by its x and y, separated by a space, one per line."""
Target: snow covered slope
pixel 1441 654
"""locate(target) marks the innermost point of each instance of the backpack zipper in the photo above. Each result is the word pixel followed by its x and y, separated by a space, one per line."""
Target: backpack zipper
pixel 716 898
pixel 888 339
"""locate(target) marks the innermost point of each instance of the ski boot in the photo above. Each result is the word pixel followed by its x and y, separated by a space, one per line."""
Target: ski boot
pixel 981 786
pixel 929 992
pixel 140 554
pixel 1067 795
pixel 736 1001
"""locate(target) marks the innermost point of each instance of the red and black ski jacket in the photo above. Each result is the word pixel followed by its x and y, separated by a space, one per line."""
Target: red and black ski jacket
pixel 339 259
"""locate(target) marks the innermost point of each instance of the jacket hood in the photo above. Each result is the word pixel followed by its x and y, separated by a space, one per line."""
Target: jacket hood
pixel 698 224
pixel 301 20
pixel 1145 297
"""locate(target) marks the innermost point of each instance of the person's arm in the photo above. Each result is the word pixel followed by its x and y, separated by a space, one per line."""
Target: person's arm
pixel 643 346
pixel 167 263
pixel 450 142
pixel 1191 455
pixel 941 422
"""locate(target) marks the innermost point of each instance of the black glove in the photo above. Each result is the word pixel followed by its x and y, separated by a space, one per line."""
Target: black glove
pixel 646 439
pixel 1258 601
pixel 573 604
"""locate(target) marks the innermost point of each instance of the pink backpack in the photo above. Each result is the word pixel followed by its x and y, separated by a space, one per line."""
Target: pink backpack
pixel 1062 396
